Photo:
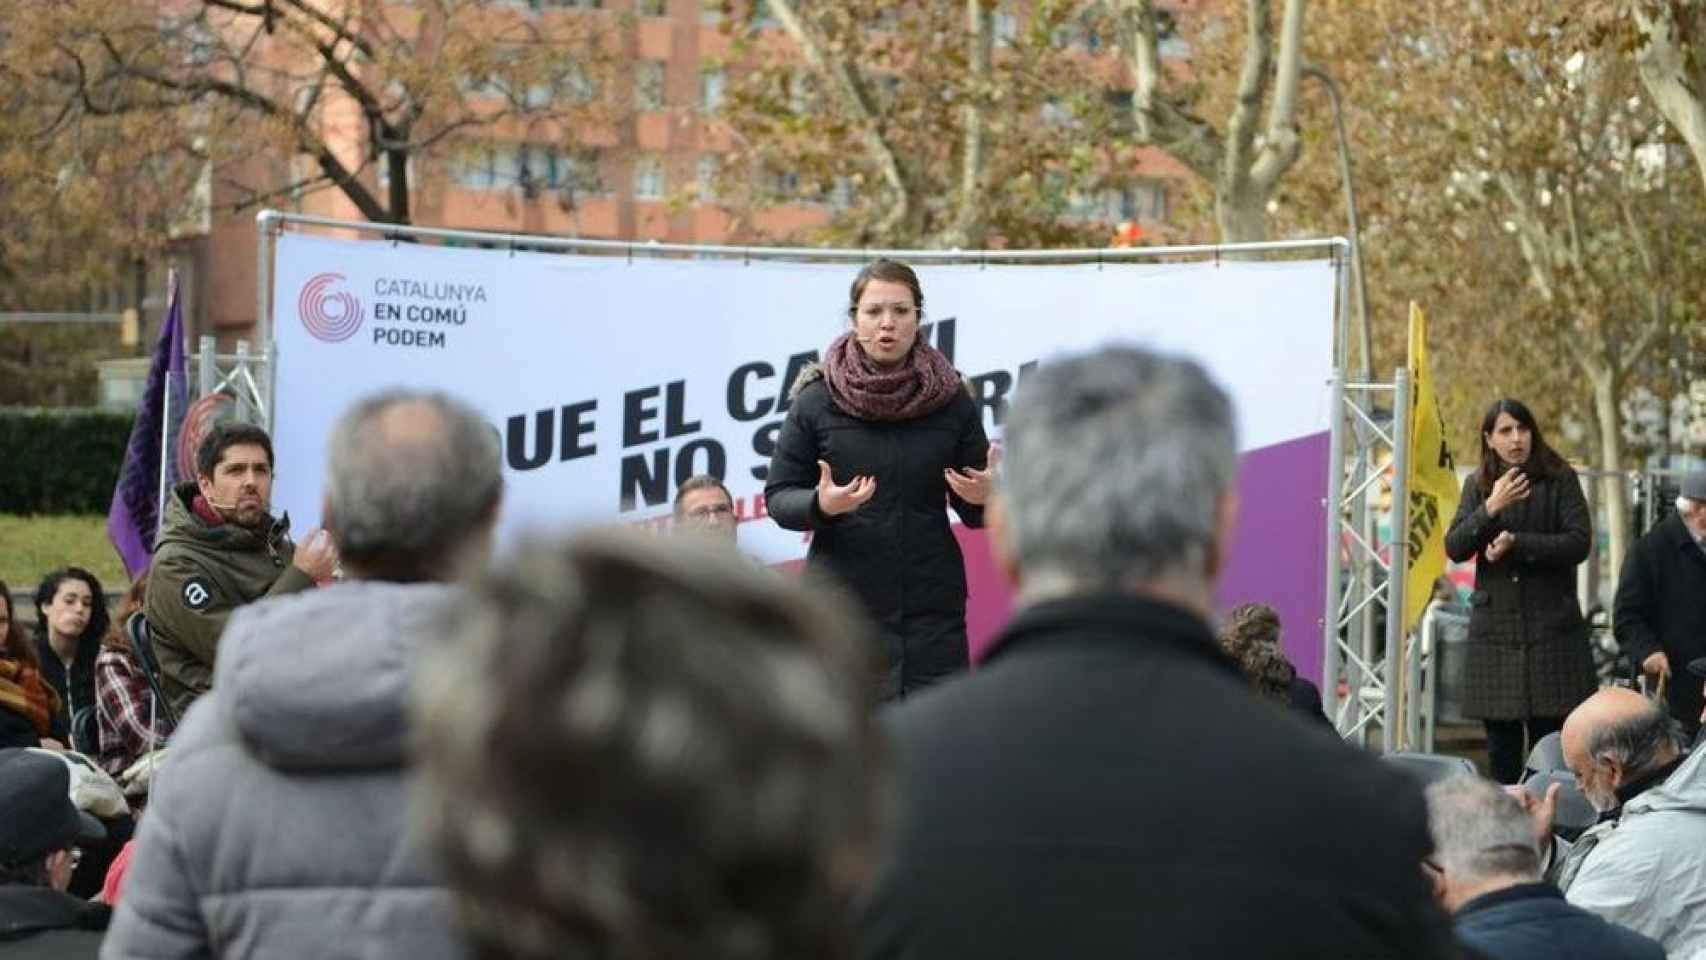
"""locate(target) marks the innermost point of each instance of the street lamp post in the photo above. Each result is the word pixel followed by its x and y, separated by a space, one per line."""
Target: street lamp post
pixel 1365 335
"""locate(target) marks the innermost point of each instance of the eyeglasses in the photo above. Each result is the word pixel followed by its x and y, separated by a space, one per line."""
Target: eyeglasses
pixel 714 510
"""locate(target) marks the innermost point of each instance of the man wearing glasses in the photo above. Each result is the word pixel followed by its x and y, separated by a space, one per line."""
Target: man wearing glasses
pixel 39 833
pixel 703 504
pixel 1486 873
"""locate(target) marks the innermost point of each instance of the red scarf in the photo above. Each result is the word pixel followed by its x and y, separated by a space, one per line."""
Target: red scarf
pixel 204 511
pixel 921 384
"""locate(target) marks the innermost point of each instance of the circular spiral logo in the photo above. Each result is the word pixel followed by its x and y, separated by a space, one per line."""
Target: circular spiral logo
pixel 329 313
pixel 199 420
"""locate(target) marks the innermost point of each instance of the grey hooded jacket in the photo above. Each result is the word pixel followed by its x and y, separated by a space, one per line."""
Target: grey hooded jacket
pixel 1644 870
pixel 278 826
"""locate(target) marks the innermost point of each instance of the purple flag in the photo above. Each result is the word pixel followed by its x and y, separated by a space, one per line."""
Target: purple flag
pixel 134 517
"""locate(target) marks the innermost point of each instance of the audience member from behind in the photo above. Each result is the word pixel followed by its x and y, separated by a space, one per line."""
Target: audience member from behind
pixel 703 504
pixel 1642 865
pixel 28 705
pixel 39 834
pixel 219 548
pixel 1105 784
pixel 638 751
pixel 1251 637
pixel 1660 618
pixel 278 827
pixel 1486 871
pixel 73 619
pixel 131 723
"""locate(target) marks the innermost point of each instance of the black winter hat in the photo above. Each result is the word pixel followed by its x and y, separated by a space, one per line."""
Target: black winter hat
pixel 36 813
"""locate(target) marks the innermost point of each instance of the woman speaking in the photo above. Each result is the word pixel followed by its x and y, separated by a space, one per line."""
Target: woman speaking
pixel 1523 517
pixel 880 437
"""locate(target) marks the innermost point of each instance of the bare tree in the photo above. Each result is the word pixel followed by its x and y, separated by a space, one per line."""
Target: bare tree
pixel 1246 161
pixel 244 82
pixel 946 125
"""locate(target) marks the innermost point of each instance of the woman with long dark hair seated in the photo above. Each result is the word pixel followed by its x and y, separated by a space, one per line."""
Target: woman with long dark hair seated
pixel 1523 517
pixel 72 613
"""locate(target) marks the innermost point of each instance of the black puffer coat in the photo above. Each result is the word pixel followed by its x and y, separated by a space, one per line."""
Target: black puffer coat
pixel 896 553
pixel 1528 644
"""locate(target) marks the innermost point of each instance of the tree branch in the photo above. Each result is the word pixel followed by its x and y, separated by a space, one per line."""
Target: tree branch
pixel 967 230
pixel 1664 72
pixel 1252 84
pixel 1159 122
pixel 849 87
pixel 205 86
pixel 1282 144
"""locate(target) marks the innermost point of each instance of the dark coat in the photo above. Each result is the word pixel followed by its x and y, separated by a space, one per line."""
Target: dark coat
pixel 1661 606
pixel 76 691
pixel 1532 921
pixel 1528 650
pixel 1106 784
pixel 41 924
pixel 896 553
pixel 1304 697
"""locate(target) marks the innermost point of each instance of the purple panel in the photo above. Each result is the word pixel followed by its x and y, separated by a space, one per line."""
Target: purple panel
pixel 1277 552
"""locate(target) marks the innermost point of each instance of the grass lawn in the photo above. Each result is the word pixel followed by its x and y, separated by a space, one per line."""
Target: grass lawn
pixel 30 546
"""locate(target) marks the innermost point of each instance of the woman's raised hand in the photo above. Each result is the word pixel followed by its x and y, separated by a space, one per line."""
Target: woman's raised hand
pixel 1508 489
pixel 973 485
pixel 835 499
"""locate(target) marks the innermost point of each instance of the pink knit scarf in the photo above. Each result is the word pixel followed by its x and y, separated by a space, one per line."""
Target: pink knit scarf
pixel 921 384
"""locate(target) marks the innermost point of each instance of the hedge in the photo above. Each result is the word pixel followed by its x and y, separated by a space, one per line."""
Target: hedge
pixel 60 460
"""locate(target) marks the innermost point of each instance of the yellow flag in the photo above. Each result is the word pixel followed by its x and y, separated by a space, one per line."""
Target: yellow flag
pixel 1432 481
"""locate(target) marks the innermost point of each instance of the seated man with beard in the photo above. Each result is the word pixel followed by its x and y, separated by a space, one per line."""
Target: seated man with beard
pixel 1642 865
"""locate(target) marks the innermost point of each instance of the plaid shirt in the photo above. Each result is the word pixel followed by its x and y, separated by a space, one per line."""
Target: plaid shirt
pixel 124 703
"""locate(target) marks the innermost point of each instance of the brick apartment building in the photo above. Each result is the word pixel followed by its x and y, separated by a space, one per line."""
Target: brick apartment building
pixel 618 185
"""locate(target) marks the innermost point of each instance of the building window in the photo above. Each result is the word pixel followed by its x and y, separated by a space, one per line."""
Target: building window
pixel 710 166
pixel 1149 200
pixel 474 167
pixel 780 185
pixel 649 181
pixel 565 4
pixel 582 171
pixel 711 81
pixel 763 16
pixel 649 85
pixel 653 8
pixel 711 11
pixel 532 167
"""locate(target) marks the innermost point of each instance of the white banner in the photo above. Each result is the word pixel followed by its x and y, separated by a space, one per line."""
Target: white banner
pixel 612 380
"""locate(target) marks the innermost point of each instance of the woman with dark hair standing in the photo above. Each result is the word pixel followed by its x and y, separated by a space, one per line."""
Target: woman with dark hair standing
pixel 27 704
pixel 73 619
pixel 882 436
pixel 1524 518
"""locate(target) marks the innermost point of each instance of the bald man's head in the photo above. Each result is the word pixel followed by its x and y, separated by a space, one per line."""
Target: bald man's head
pixel 1614 737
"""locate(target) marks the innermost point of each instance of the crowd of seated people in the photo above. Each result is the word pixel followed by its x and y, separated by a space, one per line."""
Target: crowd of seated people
pixel 614 745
